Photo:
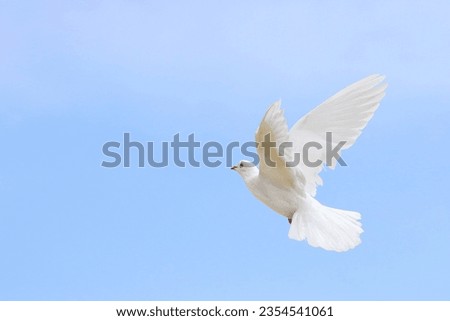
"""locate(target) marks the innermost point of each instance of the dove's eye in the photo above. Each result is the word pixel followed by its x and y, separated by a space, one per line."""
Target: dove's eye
pixel 241 165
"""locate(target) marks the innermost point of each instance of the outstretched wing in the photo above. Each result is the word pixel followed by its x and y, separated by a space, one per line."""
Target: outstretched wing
pixel 272 165
pixel 344 115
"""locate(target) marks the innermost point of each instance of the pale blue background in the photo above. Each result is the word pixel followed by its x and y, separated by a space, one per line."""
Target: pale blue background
pixel 75 74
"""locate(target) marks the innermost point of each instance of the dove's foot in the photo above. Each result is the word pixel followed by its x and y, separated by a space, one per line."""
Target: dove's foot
pixel 290 220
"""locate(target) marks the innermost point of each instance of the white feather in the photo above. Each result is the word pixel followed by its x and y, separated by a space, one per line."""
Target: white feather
pixel 344 115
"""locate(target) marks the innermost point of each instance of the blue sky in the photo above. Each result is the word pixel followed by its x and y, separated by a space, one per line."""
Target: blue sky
pixel 74 75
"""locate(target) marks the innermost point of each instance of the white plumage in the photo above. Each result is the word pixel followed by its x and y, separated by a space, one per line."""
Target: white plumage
pixel 290 190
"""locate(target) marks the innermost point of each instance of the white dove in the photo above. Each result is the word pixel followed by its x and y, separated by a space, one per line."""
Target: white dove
pixel 289 190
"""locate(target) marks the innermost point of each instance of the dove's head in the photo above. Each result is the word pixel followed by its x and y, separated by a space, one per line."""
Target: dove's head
pixel 246 169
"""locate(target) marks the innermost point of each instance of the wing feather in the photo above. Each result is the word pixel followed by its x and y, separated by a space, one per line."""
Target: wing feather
pixel 272 165
pixel 344 115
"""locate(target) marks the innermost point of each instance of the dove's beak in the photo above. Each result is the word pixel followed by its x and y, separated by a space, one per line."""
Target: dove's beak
pixel 234 167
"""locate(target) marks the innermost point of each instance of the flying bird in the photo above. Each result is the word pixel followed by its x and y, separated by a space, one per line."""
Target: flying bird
pixel 288 186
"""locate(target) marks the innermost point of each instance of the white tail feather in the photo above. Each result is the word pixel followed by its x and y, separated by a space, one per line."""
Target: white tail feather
pixel 329 228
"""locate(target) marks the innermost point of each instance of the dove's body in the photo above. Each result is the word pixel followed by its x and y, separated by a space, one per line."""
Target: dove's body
pixel 290 190
pixel 278 198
